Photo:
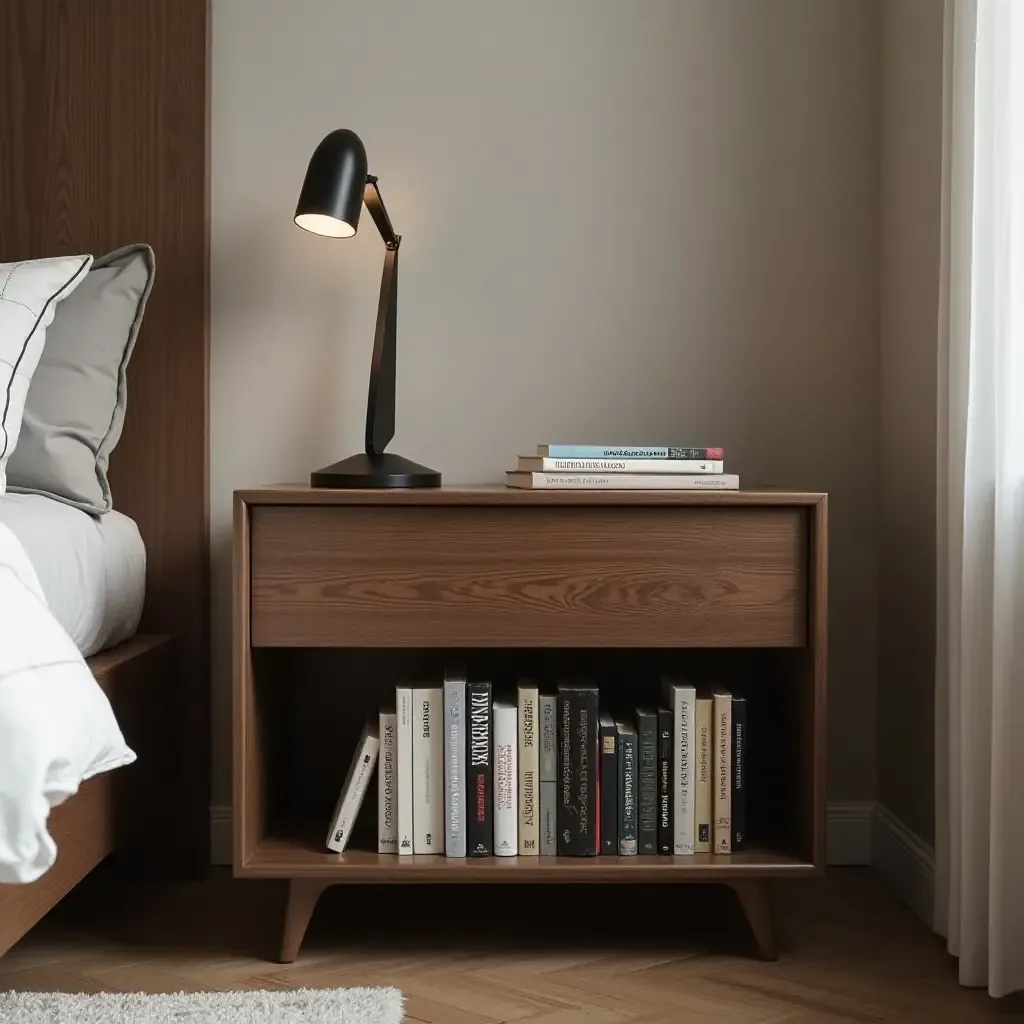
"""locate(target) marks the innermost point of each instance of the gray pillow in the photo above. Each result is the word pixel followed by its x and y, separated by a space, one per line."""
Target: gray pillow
pixel 74 411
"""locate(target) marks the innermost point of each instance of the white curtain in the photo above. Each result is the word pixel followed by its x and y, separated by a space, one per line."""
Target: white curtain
pixel 979 762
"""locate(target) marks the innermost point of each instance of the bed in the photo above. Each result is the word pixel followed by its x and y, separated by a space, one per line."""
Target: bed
pixel 103 142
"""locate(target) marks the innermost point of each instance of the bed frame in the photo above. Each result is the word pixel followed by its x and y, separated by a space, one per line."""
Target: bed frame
pixel 104 141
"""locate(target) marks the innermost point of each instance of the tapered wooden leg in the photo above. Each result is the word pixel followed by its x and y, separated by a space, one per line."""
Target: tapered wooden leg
pixel 303 894
pixel 753 895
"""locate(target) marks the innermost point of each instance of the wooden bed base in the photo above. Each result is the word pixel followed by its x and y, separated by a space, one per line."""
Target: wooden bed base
pixel 108 811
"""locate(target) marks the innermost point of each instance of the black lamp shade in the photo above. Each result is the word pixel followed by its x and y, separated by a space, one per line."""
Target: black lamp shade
pixel 332 192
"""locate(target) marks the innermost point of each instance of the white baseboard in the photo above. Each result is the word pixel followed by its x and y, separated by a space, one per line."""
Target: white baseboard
pixel 905 862
pixel 848 834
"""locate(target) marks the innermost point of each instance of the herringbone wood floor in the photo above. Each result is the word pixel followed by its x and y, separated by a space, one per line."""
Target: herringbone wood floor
pixel 580 955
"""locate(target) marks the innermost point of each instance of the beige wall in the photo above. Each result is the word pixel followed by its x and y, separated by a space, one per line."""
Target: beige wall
pixel 911 137
pixel 649 220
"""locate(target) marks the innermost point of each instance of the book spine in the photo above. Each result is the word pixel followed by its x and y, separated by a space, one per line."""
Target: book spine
pixel 684 698
pixel 627 795
pixel 455 767
pixel 624 481
pixel 596 451
pixel 550 465
pixel 723 774
pixel 589 777
pixel 387 810
pixel 665 834
pixel 609 789
pixel 506 816
pixel 568 812
pixel 739 774
pixel 703 773
pixel 548 767
pixel 428 770
pixel 529 772
pixel 479 789
pixel 352 793
pixel 403 705
pixel 647 805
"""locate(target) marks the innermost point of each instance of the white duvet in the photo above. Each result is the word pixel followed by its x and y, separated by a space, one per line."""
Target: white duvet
pixel 56 725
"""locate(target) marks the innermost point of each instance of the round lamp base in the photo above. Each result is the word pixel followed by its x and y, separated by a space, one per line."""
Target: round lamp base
pixel 365 472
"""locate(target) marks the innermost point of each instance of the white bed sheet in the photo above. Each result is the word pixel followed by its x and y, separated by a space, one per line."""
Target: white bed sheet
pixel 92 569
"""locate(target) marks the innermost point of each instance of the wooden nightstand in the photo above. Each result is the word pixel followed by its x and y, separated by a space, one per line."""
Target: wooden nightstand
pixel 341 594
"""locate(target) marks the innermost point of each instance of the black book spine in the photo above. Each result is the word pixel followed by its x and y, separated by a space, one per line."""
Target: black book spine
pixel 609 790
pixel 627 794
pixel 588 776
pixel 479 768
pixel 739 774
pixel 647 743
pixel 568 816
pixel 665 831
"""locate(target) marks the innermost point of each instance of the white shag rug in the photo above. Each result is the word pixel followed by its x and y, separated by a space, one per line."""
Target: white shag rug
pixel 297 1006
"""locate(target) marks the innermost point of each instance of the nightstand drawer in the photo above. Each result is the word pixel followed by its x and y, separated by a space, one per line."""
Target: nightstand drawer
pixel 435 576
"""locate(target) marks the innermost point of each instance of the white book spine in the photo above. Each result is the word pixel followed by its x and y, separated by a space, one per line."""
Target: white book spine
pixel 506 816
pixel 704 771
pixel 455 766
pixel 387 790
pixel 547 464
pixel 682 702
pixel 357 780
pixel 548 767
pixel 723 773
pixel 403 705
pixel 529 772
pixel 428 770
pixel 624 481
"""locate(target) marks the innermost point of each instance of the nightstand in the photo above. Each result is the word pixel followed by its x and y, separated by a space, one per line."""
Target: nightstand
pixel 339 595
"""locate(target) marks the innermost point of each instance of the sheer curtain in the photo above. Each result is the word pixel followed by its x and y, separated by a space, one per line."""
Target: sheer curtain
pixel 980 659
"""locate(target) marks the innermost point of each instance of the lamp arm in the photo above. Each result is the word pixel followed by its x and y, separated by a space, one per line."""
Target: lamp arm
pixel 380 399
pixel 375 204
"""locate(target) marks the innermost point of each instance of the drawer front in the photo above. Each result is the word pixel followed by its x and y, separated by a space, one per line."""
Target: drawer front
pixel 365 576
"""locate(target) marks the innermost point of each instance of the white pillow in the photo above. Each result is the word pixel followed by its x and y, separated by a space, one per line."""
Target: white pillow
pixel 29 291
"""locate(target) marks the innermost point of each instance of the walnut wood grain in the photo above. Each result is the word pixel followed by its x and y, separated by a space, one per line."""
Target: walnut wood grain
pixel 109 809
pixel 303 896
pixel 296 856
pixel 104 122
pixel 471 577
pixel 755 899
pixel 302 494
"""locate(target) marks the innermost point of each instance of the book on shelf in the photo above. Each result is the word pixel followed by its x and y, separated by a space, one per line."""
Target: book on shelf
pixel 403 749
pixel 622 481
pixel 647 775
pixel 703 775
pixel 527 696
pixel 681 698
pixel 578 812
pixel 387 777
pixel 739 774
pixel 357 780
pixel 599 451
pixel 428 770
pixel 479 780
pixel 665 834
pixel 506 809
pixel 455 763
pixel 546 464
pixel 609 774
pixel 625 736
pixel 548 769
pixel 722 835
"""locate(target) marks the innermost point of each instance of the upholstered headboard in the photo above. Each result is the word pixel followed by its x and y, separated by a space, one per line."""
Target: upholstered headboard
pixel 104 141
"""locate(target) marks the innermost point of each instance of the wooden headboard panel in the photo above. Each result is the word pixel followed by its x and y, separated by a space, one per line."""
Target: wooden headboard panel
pixel 104 141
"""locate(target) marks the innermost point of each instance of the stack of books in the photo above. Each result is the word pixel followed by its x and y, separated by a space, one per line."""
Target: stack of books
pixel 466 774
pixel 597 467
